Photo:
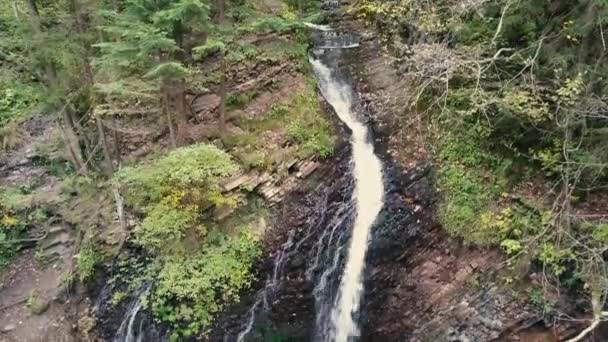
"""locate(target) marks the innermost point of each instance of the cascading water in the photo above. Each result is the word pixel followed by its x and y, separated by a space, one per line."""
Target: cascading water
pixel 368 196
pixel 318 27
pixel 336 232
pixel 288 249
pixel 131 328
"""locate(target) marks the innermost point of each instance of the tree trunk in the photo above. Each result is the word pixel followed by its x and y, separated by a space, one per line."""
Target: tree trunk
pixel 106 149
pixel 116 136
pixel 35 16
pixel 72 143
pixel 79 130
pixel 179 98
pixel 70 137
pixel 222 123
pixel 221 4
pixel 16 12
pixel 82 28
pixel 50 73
pixel 167 112
pixel 222 109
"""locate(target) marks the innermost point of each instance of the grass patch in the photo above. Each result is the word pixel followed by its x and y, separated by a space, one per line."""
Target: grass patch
pixel 298 123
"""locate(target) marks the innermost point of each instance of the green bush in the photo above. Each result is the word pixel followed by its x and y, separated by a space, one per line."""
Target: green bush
pixel 165 225
pixel 15 211
pixel 88 258
pixel 196 167
pixel 191 289
pixel 196 271
pixel 236 101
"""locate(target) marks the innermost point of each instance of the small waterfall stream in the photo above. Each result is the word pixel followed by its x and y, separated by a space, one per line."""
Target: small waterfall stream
pixel 337 253
pixel 368 195
pixel 132 327
pixel 333 239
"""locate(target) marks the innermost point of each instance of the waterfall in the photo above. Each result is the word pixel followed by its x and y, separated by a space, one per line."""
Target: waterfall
pixel 368 195
pixel 128 332
pixel 318 27
pixel 330 242
pixel 288 249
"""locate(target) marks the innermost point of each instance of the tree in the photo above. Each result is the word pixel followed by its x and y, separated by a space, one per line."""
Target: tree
pixel 44 56
pixel 148 50
pixel 222 110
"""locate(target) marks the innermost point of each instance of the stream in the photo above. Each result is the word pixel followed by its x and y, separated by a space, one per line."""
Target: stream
pixel 336 233
pixel 368 196
pixel 336 306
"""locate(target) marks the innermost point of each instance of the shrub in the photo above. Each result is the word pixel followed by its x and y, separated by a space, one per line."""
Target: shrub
pixel 15 207
pixel 236 101
pixel 193 167
pixel 165 225
pixel 88 258
pixel 191 289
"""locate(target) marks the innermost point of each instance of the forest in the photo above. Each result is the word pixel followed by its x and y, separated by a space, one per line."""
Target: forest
pixel 156 157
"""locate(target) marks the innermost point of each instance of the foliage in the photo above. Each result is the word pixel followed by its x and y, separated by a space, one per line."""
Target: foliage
pixel 165 225
pixel 197 275
pixel 68 279
pixel 236 101
pixel 196 169
pixel 314 140
pixel 537 300
pixel 87 261
pixel 211 46
pixel 301 121
pixel 192 289
pixel 85 60
pixel 117 297
pixel 15 208
pixel 515 100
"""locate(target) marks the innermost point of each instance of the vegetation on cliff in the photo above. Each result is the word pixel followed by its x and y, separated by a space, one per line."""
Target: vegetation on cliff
pixel 108 73
pixel 514 95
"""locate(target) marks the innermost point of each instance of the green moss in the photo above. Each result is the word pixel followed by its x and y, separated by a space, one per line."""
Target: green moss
pixel 35 305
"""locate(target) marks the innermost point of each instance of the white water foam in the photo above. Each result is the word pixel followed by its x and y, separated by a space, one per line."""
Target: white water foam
pixel 126 331
pixel 318 27
pixel 369 199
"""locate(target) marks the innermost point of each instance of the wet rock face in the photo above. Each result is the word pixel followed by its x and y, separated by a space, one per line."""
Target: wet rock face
pixel 299 221
pixel 419 284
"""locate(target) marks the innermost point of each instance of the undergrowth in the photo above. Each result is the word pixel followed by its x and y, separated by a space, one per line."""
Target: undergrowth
pixel 200 265
pixel 17 214
pixel 516 103
pixel 299 123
